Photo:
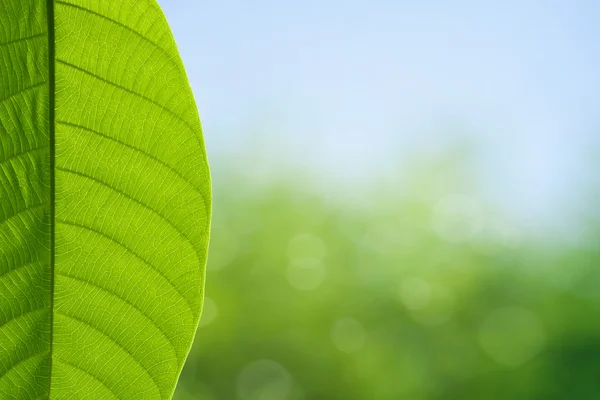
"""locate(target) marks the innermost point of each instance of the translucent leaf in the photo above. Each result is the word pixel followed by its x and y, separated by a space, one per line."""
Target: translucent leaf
pixel 105 202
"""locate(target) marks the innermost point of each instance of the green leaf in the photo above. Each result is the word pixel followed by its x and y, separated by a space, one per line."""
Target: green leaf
pixel 105 202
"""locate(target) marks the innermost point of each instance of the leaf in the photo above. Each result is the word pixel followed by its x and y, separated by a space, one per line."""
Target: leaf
pixel 105 202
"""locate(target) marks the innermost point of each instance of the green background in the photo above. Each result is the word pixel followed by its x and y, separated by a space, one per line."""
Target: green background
pixel 314 298
pixel 405 198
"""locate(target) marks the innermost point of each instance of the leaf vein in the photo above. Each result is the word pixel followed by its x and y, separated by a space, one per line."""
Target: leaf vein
pixel 28 151
pixel 20 362
pixel 153 157
pixel 129 250
pixel 22 91
pixel 23 39
pixel 22 266
pixel 34 207
pixel 110 292
pixel 162 217
pixel 122 25
pixel 97 329
pixel 133 92
pixel 3 325
pixel 89 373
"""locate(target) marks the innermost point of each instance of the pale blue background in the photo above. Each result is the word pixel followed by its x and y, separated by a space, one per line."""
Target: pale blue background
pixel 347 90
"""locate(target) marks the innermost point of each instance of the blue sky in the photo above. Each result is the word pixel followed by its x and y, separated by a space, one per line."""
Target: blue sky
pixel 348 88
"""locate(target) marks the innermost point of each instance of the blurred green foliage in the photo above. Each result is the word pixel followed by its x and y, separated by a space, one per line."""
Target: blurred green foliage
pixel 419 294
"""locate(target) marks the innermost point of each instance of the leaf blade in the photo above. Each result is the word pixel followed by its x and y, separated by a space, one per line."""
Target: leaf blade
pixel 105 202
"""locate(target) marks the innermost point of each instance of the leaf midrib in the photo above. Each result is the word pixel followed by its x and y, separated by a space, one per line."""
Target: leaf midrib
pixel 52 139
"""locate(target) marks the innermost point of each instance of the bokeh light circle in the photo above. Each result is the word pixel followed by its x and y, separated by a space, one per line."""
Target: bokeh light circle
pixel 306 273
pixel 512 336
pixel 306 245
pixel 210 312
pixel 348 335
pixel 264 380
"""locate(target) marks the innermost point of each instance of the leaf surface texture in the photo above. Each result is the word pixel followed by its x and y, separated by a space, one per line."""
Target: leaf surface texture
pixel 105 202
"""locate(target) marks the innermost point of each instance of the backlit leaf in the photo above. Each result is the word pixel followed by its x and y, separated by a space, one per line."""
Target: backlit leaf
pixel 105 202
